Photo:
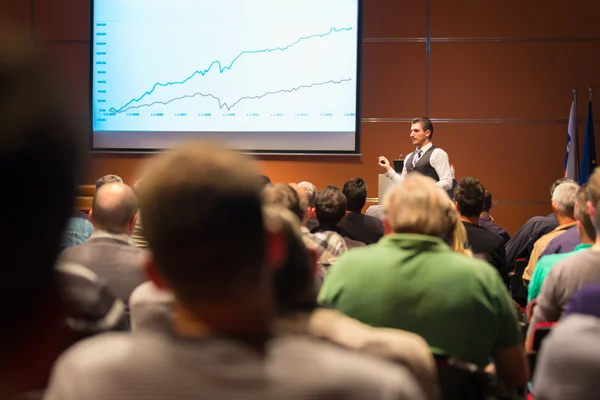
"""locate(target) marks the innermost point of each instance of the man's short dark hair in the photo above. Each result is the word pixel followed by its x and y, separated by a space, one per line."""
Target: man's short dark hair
pixel 355 190
pixel 114 207
pixel 283 195
pixel 558 182
pixel 39 153
pixel 487 200
pixel 426 125
pixel 470 196
pixel 330 206
pixel 103 180
pixel 204 223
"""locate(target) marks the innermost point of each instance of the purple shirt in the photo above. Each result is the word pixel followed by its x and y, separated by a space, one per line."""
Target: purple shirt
pixel 586 301
pixel 491 226
pixel 563 243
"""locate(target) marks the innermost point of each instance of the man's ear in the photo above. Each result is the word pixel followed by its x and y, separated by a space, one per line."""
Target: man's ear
pixel 554 208
pixel 592 212
pixel 386 227
pixel 154 275
pixel 457 206
pixel 276 250
pixel 132 223
pixel 313 213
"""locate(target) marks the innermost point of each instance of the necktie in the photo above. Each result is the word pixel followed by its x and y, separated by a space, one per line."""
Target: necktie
pixel 417 157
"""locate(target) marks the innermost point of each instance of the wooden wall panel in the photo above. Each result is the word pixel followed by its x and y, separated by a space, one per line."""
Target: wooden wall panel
pixel 510 80
pixel 62 20
pixel 70 60
pixel 392 80
pixel 515 18
pixel 516 162
pixel 394 19
pixel 17 12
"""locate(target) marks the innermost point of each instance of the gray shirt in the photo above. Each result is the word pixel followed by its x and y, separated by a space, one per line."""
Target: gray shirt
pixel 153 366
pixel 569 363
pixel 566 278
pixel 112 257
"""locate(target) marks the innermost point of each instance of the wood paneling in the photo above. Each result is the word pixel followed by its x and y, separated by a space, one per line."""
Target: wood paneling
pixel 392 80
pixel 17 12
pixel 510 80
pixel 62 19
pixel 70 62
pixel 394 19
pixel 515 18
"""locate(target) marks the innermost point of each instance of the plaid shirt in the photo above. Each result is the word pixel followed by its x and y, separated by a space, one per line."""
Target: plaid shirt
pixel 329 245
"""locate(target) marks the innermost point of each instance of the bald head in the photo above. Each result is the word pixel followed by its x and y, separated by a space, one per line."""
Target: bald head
pixel 114 208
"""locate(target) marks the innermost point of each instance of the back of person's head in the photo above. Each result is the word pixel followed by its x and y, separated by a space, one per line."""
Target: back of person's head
pixel 285 196
pixel 487 201
pixel 114 208
pixel 469 196
pixel 558 182
pixel 564 199
pixel 593 191
pixel 106 179
pixel 295 279
pixel 582 215
pixel 330 206
pixel 416 205
pixel 355 190
pixel 311 192
pixel 264 180
pixel 39 159
pixel 204 223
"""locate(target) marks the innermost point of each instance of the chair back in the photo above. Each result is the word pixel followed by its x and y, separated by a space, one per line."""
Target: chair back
pixel 459 380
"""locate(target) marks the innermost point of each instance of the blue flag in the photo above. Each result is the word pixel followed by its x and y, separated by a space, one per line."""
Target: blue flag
pixel 588 159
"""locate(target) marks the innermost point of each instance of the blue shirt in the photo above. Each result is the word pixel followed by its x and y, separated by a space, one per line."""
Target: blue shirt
pixel 564 243
pixel 586 301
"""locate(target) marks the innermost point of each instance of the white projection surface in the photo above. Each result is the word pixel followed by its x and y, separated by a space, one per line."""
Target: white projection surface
pixel 260 75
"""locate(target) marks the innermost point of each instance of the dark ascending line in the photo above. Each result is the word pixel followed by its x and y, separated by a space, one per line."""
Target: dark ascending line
pixel 228 67
pixel 229 107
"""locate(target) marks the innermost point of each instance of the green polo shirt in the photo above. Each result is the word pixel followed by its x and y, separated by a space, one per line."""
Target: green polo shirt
pixel 417 283
pixel 543 268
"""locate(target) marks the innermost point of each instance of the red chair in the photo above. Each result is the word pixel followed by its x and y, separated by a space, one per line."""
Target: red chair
pixel 529 309
pixel 540 331
pixel 517 288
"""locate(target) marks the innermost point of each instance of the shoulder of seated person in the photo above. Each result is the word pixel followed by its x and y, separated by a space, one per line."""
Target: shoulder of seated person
pixel 328 358
pixel 100 350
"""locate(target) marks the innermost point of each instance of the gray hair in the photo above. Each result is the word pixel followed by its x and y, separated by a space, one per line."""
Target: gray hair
pixel 565 197
pixel 311 192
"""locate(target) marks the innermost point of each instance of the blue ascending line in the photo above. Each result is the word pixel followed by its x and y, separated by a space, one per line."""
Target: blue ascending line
pixel 229 107
pixel 222 69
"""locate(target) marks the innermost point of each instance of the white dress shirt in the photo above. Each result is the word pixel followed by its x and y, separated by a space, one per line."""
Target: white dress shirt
pixel 438 160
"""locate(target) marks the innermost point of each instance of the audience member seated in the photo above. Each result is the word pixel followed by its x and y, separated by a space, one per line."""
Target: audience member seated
pixel 91 308
pixel 469 196
pixel 572 273
pixel 222 313
pixel 586 231
pixel 78 231
pixel 110 252
pixel 107 179
pixel 569 363
pixel 311 193
pixel 564 243
pixel 40 153
pixel 293 198
pixel 299 313
pixel 151 308
pixel 521 245
pixel 356 225
pixel 487 221
pixel 330 210
pixel 138 237
pixel 412 280
pixel 563 204
pixel 585 301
